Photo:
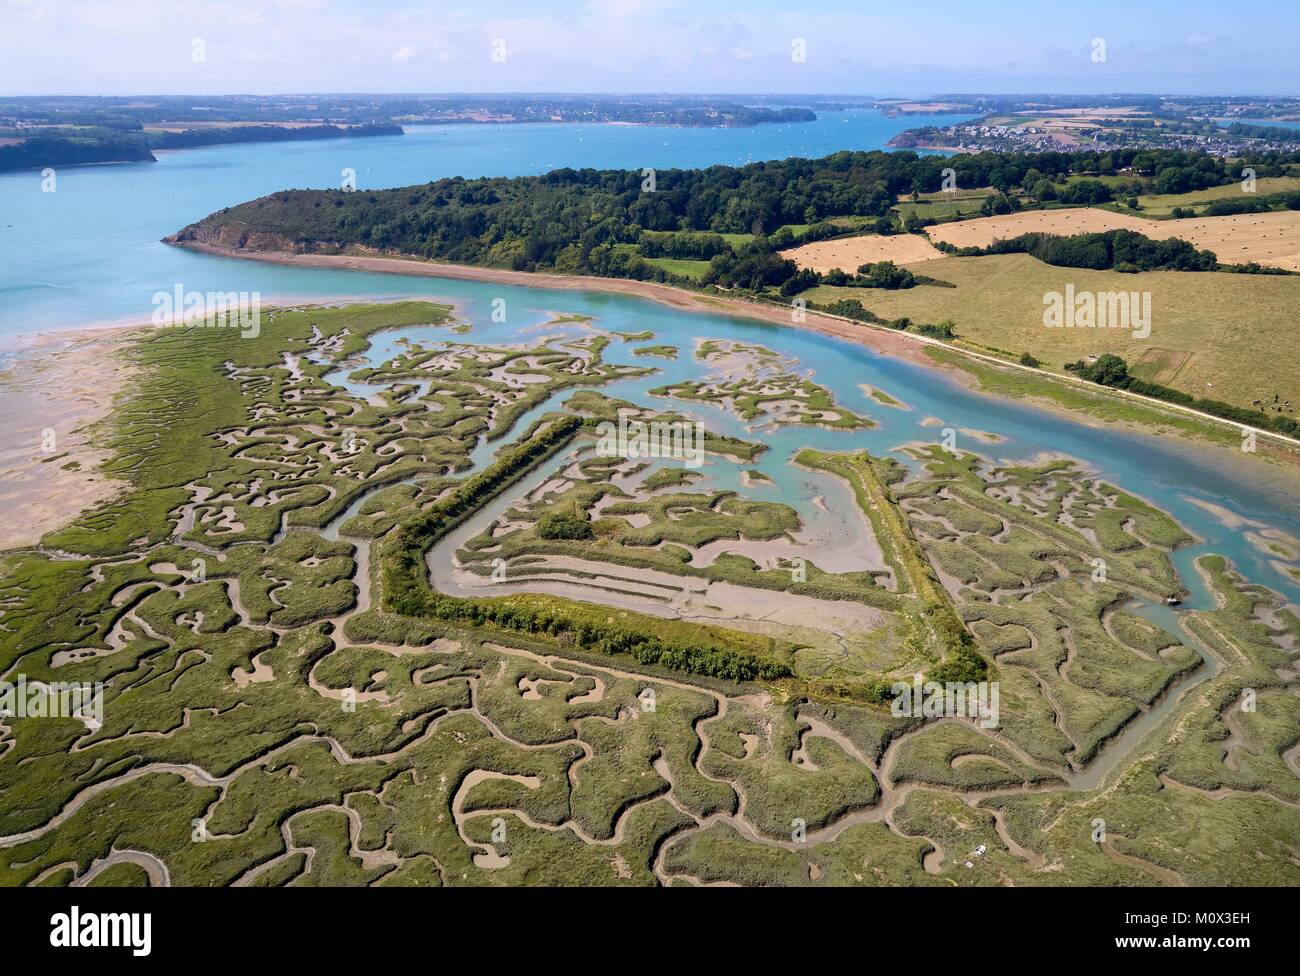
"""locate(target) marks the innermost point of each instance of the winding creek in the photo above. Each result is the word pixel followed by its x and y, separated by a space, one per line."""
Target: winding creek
pixel 1211 492
pixel 1172 475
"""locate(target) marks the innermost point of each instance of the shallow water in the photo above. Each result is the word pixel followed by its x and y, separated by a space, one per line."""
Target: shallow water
pixel 1167 472
pixel 90 251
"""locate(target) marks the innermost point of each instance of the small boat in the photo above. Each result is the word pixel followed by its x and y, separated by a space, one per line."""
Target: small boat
pixel 1172 601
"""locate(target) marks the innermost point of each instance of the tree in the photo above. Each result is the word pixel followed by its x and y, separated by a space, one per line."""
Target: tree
pixel 1107 370
pixel 997 203
pixel 1086 192
pixel 939 330
pixel 802 280
pixel 886 274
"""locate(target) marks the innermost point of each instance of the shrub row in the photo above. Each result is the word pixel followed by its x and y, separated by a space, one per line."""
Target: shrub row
pixel 406 590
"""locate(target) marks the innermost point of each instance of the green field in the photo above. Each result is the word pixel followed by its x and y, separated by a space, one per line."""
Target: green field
pixel 941 207
pixel 685 267
pixel 1160 205
pixel 1216 335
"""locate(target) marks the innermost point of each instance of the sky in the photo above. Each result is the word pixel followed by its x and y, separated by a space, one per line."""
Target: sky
pixel 705 46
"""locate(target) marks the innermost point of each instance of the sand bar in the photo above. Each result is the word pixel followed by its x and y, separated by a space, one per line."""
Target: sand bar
pixel 50 397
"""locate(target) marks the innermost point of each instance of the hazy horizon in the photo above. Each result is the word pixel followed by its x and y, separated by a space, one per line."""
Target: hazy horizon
pixel 266 47
pixel 598 93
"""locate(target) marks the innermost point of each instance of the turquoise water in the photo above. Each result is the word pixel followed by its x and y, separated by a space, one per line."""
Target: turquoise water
pixel 1275 123
pixel 1165 471
pixel 90 253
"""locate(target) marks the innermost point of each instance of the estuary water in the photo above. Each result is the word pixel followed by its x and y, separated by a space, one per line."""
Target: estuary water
pixel 89 253
pixel 1168 472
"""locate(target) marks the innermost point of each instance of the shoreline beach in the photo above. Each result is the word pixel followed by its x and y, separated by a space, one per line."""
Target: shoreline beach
pixel 52 396
pixel 879 340
pixel 906 345
pixel 66 380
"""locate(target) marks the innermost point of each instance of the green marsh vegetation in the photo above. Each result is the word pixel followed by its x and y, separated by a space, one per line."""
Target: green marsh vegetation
pixel 292 685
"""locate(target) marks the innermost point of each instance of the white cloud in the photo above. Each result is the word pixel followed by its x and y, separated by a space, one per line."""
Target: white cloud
pixel 601 45
pixel 621 9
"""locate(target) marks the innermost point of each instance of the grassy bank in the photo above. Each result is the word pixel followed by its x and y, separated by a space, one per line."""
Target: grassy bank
pixel 1219 335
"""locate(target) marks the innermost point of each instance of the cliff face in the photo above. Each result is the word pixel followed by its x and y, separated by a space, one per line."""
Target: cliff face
pixel 235 236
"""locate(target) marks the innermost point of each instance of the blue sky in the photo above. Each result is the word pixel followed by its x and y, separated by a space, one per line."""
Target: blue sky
pixel 863 47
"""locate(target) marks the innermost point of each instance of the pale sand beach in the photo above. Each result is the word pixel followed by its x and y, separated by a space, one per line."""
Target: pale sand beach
pixel 879 339
pixel 52 395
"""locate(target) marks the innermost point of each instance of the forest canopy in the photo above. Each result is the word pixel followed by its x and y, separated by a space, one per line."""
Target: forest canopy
pixel 608 222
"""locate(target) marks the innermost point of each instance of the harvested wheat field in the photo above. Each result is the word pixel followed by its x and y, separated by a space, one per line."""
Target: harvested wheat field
pixel 849 252
pixel 983 231
pixel 1270 238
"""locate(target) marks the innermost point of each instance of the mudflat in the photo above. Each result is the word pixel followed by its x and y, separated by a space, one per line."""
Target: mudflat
pixel 51 398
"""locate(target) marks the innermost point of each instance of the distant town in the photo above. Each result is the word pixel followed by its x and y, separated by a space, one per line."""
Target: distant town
pixel 1219 126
